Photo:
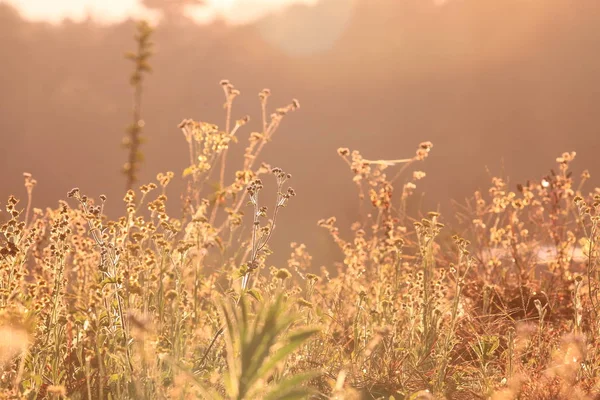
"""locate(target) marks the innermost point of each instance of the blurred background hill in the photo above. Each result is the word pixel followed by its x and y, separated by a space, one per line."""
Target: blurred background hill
pixel 507 84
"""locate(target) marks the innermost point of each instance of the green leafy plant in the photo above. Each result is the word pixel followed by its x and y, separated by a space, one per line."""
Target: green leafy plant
pixel 256 348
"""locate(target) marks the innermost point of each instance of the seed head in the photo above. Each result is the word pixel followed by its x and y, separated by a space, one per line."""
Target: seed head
pixel 73 193
pixel 264 94
pixel 283 274
pixel 343 151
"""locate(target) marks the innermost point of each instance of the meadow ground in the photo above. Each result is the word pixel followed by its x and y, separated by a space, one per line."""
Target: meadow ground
pixel 502 303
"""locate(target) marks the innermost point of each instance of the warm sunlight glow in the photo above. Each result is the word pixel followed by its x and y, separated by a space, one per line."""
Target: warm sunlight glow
pixel 112 11
pixel 239 11
pixel 297 27
pixel 104 11
pixel 306 30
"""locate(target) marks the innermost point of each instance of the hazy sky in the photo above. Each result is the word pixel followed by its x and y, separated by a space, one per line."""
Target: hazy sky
pixel 107 11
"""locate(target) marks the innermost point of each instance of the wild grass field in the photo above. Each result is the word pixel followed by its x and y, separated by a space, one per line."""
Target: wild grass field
pixel 501 304
pixel 498 301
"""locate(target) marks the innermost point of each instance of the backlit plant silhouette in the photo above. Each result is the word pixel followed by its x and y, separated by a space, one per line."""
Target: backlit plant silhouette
pixel 500 301
pixel 133 141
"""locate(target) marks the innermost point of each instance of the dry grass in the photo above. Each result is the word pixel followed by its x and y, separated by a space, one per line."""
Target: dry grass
pixel 504 305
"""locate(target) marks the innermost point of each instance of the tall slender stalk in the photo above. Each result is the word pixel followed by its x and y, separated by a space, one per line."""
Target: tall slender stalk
pixel 134 140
